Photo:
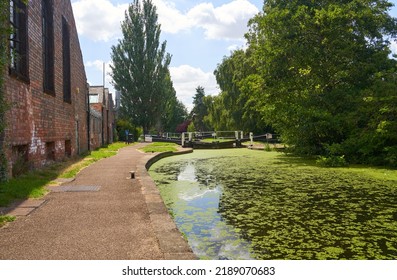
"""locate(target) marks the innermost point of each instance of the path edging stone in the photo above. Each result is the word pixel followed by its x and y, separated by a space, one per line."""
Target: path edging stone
pixel 171 241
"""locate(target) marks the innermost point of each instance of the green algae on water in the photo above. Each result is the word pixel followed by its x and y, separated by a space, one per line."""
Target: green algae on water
pixel 242 204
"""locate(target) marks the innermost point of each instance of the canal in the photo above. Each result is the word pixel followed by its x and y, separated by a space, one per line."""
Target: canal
pixel 243 204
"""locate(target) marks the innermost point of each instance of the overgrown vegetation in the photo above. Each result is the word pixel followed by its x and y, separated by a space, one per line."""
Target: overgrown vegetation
pixel 6 219
pixel 33 184
pixel 159 147
pixel 5 31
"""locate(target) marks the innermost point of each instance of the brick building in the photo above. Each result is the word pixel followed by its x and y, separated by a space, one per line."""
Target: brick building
pixel 46 87
pixel 101 102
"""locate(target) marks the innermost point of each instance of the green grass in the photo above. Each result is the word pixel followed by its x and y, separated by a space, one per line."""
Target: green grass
pixel 159 147
pixel 33 184
pixel 6 219
pixel 96 155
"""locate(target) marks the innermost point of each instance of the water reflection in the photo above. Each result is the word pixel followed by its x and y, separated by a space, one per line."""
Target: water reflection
pixel 196 213
pixel 188 173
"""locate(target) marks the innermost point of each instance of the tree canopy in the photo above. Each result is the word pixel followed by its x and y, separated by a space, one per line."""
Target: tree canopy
pixel 320 74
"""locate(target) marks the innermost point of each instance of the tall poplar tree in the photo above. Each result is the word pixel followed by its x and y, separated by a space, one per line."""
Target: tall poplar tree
pixel 140 66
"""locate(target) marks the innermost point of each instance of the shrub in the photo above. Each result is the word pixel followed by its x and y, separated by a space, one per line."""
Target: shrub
pixel 332 161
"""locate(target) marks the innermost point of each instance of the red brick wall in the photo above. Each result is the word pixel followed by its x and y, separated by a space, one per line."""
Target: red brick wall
pixel 106 108
pixel 36 118
pixel 95 128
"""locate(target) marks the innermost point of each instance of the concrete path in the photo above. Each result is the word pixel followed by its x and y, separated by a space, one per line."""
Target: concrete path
pixel 102 215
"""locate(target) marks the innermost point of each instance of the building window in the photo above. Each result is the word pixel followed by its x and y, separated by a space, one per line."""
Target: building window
pixel 50 151
pixel 67 96
pixel 48 46
pixel 68 148
pixel 19 40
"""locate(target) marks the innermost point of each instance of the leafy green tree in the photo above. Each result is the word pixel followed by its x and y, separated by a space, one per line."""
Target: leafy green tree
pixel 191 127
pixel 320 65
pixel 140 66
pixel 236 77
pixel 174 111
pixel 199 110
pixel 217 117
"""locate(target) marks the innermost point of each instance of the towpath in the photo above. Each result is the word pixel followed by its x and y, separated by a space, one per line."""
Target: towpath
pixel 101 215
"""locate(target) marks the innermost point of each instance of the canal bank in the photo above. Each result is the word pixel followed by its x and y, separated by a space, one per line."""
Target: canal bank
pixel 102 215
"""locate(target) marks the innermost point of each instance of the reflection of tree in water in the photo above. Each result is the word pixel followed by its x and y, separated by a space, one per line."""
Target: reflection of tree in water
pixel 194 199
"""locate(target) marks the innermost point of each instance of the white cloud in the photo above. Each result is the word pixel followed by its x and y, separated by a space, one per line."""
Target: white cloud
pixel 228 21
pixel 187 78
pixel 99 20
pixel 98 64
pixel 171 19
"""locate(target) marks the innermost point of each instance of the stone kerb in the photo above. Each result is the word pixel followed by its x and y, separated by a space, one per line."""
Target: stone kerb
pixel 171 241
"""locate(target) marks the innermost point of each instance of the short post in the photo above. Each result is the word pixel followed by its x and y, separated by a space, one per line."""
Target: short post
pixel 183 139
pixel 252 138
pixel 132 173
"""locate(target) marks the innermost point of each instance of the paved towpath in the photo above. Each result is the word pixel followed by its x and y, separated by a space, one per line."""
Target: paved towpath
pixel 111 217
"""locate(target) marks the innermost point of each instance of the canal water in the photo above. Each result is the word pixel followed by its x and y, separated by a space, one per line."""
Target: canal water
pixel 243 204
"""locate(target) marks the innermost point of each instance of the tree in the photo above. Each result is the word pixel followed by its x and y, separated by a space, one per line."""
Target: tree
pixel 321 64
pixel 236 77
pixel 199 110
pixel 140 66
pixel 174 111
pixel 217 117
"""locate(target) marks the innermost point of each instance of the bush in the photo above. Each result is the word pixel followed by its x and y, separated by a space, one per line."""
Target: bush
pixel 332 161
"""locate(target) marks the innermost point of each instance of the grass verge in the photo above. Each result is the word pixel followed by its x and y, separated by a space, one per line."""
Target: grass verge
pixel 33 184
pixel 160 147
pixel 6 219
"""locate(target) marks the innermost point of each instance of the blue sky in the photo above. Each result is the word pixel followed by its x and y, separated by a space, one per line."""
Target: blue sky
pixel 199 34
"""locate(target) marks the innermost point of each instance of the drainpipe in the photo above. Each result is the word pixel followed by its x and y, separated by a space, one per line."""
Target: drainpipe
pixel 88 118
pixel 103 104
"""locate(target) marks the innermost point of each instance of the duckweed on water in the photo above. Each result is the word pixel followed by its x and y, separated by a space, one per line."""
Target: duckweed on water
pixel 241 204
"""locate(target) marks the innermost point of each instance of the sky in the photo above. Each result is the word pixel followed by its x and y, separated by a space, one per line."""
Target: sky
pixel 199 34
